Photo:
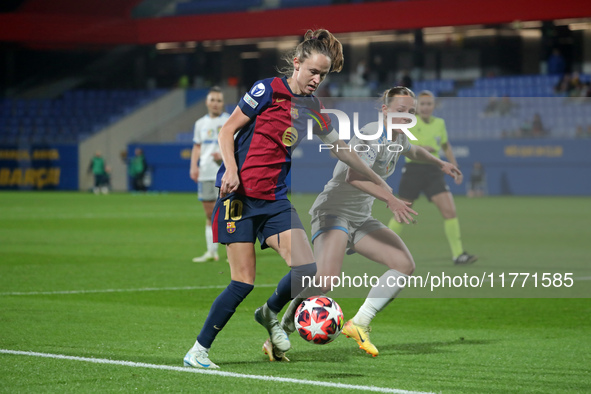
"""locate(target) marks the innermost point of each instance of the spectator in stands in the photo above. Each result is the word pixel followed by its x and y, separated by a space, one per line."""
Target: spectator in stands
pixel 537 127
pixel 491 107
pixel 405 79
pixel 183 82
pixel 570 85
pixel 359 78
pixel 576 85
pixel 556 63
pixel 477 184
pixel 562 87
pixel 138 166
pixel 505 106
pixel 101 176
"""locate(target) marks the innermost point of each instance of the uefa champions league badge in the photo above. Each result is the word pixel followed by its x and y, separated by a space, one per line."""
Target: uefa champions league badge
pixel 231 227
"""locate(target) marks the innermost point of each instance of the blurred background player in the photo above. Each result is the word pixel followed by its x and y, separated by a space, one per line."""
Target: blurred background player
pixel 138 166
pixel 253 194
pixel 341 219
pixel 205 163
pixel 99 169
pixel 422 176
pixel 477 184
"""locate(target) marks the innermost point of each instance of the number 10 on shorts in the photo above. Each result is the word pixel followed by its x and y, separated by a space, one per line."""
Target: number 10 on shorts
pixel 233 210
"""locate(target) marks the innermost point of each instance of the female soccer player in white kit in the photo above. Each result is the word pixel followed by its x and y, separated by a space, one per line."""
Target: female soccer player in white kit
pixel 205 163
pixel 341 219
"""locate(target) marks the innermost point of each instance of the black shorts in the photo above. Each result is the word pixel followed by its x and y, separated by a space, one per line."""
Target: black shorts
pixel 237 218
pixel 417 178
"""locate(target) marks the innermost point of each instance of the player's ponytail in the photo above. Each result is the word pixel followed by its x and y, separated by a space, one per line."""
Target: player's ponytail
pixel 317 41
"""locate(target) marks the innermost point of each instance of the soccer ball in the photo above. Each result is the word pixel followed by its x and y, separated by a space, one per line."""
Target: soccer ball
pixel 319 320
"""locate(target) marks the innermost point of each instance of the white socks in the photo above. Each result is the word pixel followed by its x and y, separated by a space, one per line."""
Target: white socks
pixel 212 247
pixel 380 296
pixel 197 346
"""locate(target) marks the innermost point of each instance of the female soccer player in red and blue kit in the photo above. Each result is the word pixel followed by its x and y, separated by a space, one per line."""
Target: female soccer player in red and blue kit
pixel 253 194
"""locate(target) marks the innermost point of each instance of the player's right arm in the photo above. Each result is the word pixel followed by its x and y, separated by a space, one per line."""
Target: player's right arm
pixel 195 154
pixel 230 180
pixel 400 209
pixel 196 151
pixel 341 150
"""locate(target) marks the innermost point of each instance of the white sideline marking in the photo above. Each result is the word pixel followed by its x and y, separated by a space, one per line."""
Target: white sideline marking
pixel 17 293
pixel 211 372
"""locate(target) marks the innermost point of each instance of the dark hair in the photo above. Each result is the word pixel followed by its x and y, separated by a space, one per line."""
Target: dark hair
pixel 215 89
pixel 396 91
pixel 316 41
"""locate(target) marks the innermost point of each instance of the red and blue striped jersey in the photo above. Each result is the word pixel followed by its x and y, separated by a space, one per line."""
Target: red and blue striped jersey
pixel 263 147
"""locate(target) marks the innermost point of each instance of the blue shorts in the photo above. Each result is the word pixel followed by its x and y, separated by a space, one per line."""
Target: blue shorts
pixel 237 218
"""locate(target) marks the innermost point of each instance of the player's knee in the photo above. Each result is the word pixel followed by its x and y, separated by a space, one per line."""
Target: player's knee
pixel 406 264
pixel 306 270
pixel 448 213
pixel 409 266
pixel 240 290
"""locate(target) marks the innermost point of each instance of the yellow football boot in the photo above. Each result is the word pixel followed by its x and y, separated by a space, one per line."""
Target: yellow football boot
pixel 361 335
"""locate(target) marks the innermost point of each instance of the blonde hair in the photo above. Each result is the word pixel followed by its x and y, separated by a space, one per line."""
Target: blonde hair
pixel 316 41
pixel 396 91
pixel 426 93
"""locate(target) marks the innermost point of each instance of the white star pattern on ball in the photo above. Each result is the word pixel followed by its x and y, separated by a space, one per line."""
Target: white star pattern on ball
pixel 333 313
pixel 315 316
pixel 315 328
pixel 309 305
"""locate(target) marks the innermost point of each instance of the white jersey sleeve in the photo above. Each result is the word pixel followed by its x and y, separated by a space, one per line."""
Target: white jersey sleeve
pixel 197 131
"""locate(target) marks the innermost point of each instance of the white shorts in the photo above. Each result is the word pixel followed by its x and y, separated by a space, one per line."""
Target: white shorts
pixel 207 191
pixel 354 229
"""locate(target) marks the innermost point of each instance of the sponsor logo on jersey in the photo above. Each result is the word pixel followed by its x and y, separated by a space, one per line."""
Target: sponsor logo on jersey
pixel 258 90
pixel 231 227
pixel 250 101
pixel 290 136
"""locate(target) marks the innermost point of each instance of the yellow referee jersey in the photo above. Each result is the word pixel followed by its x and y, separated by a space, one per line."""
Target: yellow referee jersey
pixel 432 133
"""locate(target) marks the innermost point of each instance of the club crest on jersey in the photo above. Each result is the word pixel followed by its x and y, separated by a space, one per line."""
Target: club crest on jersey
pixel 294 113
pixel 258 90
pixel 231 227
pixel 290 136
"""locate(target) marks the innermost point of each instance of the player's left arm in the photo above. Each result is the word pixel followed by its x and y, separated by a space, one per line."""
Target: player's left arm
pixel 419 153
pixel 449 154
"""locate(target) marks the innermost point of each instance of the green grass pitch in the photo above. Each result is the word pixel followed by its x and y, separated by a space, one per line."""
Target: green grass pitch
pixel 482 341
